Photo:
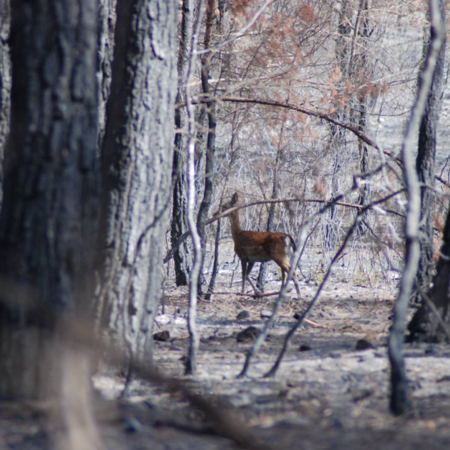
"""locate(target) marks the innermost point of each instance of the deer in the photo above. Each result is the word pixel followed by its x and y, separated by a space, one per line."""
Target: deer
pixel 259 246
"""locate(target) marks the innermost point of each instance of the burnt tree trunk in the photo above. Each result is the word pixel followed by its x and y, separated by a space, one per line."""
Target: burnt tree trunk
pixel 182 254
pixel 425 325
pixel 338 135
pixel 400 400
pixel 5 82
pixel 425 164
pixel 211 137
pixel 48 219
pixel 137 160
pixel 106 26
pixel 361 72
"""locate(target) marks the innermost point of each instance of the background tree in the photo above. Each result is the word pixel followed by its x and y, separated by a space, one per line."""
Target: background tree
pixel 426 169
pixel 426 324
pixel 183 253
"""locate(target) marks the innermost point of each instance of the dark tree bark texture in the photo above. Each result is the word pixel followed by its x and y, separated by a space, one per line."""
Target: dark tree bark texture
pixel 400 396
pixel 426 158
pixel 47 222
pixel 182 254
pixel 5 82
pixel 137 163
pixel 211 138
pixel 425 325
pixel 106 26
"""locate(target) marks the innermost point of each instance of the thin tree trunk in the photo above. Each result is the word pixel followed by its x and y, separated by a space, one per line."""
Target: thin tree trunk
pixel 361 71
pixel 337 142
pixel 425 164
pixel 211 138
pixel 182 254
pixel 191 361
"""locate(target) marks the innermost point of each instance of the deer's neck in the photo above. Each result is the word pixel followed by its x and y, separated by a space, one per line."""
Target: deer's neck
pixel 235 224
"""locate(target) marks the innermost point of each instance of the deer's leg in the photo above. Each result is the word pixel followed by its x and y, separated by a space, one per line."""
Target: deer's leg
pixel 249 269
pixel 244 275
pixel 284 272
pixel 246 269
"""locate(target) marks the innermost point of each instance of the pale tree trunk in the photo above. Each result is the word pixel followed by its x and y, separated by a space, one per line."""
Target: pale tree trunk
pixel 137 159
pixel 5 82
pixel 194 338
pixel 361 72
pixel 337 141
pixel 433 315
pixel 48 220
pixel 183 253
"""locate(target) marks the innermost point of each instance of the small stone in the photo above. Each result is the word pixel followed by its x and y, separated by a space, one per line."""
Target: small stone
pixel 248 335
pixel 364 344
pixel 162 336
pixel 243 315
pixel 131 425
pixel 265 314
pixel 305 348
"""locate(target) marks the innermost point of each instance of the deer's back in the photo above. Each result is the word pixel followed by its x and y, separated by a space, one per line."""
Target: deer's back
pixel 260 246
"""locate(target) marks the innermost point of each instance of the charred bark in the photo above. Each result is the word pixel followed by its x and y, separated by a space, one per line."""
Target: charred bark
pixel 48 220
pixel 183 254
pixel 425 164
pixel 106 26
pixel 400 398
pixel 425 325
pixel 5 82
pixel 211 138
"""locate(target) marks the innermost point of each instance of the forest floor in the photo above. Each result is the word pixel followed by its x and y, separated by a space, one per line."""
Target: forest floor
pixel 328 393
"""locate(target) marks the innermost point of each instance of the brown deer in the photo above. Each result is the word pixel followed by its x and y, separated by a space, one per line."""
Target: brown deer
pixel 259 246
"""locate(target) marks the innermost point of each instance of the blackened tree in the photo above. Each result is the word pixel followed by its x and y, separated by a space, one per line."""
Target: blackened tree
pixel 48 218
